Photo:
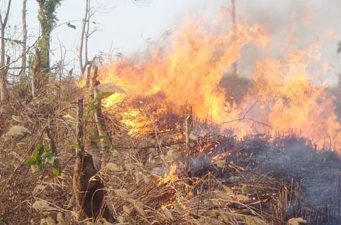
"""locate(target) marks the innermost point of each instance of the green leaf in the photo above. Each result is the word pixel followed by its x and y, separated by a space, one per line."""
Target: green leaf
pixel 40 157
pixel 36 158
pixel 56 172
pixel 48 157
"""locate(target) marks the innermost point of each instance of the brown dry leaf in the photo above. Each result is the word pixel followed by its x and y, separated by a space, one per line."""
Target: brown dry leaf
pixel 42 205
pixel 221 164
pixel 38 189
pixel 113 167
pixel 17 131
pixel 69 117
pixel 242 198
pixel 297 221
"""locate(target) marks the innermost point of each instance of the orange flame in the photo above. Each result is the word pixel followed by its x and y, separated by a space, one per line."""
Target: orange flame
pixel 171 176
pixel 282 98
pixel 189 72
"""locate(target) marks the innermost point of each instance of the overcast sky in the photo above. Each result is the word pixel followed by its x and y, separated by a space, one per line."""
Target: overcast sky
pixel 126 26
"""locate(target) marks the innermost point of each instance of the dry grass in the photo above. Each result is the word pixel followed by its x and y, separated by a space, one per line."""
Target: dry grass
pixel 148 177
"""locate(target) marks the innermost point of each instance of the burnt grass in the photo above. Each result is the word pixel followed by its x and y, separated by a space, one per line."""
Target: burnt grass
pixel 292 160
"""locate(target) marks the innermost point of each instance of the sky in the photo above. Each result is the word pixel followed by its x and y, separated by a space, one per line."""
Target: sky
pixel 127 26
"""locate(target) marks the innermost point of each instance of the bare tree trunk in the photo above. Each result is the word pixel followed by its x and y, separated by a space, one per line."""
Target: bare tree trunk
pixel 83 49
pixel 3 81
pixel 24 38
pixel 36 72
pixel 4 63
pixel 234 24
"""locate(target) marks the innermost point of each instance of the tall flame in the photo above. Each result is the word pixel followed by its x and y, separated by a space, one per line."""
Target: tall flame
pixel 282 98
pixel 187 73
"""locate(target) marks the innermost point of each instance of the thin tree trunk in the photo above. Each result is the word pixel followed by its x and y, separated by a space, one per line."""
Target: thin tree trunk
pixel 3 75
pixel 36 72
pixel 4 96
pixel 24 38
pixel 4 64
pixel 83 51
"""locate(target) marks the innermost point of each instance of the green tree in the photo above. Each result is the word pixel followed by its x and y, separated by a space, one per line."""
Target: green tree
pixel 47 19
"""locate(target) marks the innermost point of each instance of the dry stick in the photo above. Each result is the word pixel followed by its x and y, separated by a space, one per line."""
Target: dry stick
pixel 79 152
pixel 151 146
pixel 99 119
pixel 188 126
pixel 20 56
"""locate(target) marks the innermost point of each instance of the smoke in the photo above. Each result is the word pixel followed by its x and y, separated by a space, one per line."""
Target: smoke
pixel 296 24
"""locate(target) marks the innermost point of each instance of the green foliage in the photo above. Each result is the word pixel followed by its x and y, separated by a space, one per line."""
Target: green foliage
pixel 47 13
pixel 47 19
pixel 42 156
pixel 56 171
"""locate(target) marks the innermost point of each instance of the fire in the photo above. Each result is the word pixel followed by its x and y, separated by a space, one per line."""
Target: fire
pixel 136 122
pixel 283 97
pixel 188 72
pixel 171 176
pixel 290 103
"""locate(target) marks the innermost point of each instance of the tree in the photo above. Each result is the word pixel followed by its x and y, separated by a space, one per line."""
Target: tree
pixel 4 60
pixel 24 38
pixel 47 19
pixel 83 49
pixel 84 61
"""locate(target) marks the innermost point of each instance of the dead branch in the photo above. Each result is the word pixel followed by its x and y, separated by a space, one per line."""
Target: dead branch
pixel 79 153
pixel 106 141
